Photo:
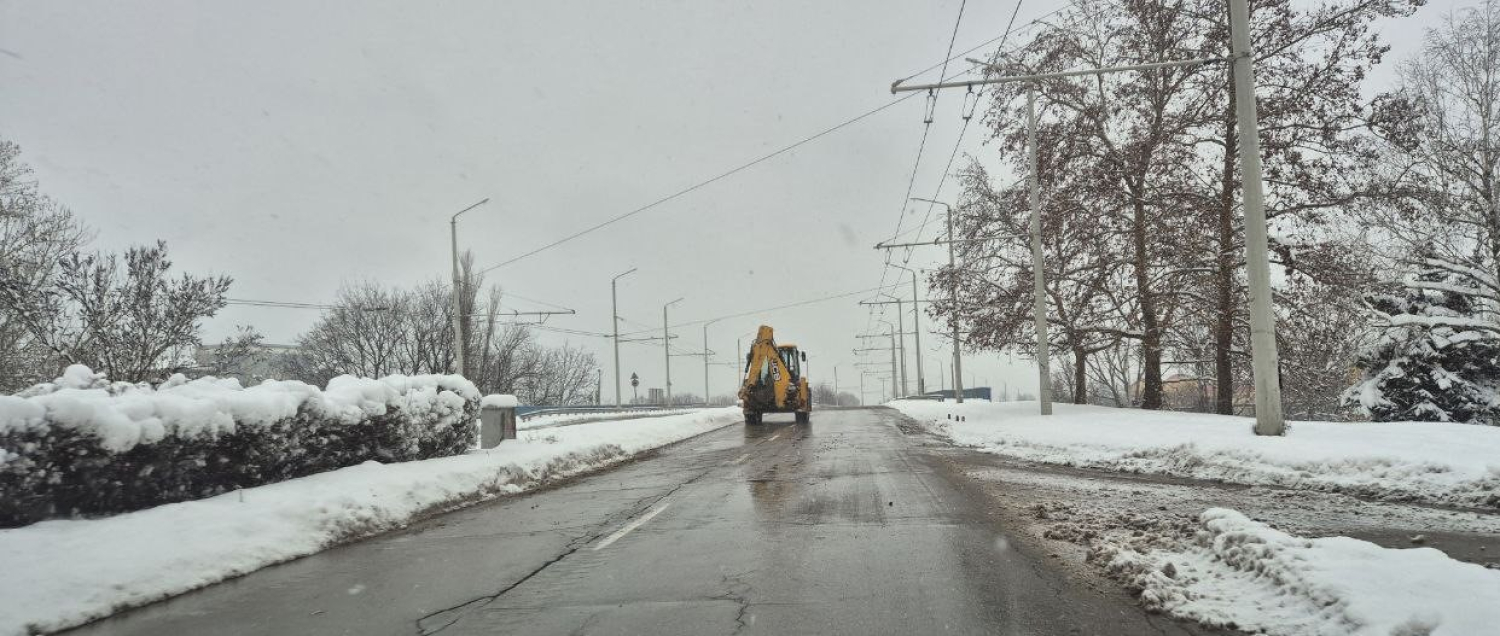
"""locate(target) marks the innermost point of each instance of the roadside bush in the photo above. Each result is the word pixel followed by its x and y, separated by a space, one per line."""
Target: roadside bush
pixel 85 446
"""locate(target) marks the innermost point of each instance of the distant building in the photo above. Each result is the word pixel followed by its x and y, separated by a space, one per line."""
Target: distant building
pixel 656 396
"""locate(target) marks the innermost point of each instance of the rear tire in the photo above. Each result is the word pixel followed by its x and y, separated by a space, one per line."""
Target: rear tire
pixel 752 418
pixel 804 417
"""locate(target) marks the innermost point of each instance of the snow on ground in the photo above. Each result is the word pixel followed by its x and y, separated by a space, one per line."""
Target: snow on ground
pixel 1452 464
pixel 64 573
pixel 1244 574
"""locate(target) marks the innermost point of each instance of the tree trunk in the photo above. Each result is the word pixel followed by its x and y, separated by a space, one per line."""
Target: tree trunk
pixel 1151 389
pixel 1080 375
pixel 1224 276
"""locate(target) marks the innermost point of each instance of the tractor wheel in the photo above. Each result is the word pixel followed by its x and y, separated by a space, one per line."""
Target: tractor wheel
pixel 804 417
pixel 752 418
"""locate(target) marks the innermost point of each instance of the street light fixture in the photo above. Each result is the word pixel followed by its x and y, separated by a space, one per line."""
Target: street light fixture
pixel 614 312
pixel 460 339
pixel 666 343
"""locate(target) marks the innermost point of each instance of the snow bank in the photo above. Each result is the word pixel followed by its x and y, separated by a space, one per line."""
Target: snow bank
pixel 122 415
pixel 1246 575
pixel 84 445
pixel 1454 464
pixel 60 574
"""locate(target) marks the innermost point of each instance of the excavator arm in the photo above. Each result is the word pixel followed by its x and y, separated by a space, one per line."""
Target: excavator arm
pixel 765 369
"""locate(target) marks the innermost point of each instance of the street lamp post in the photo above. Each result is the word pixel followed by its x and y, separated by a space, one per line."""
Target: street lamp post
pixel 460 339
pixel 666 343
pixel 916 328
pixel 614 311
pixel 900 340
pixel 958 362
pixel 895 377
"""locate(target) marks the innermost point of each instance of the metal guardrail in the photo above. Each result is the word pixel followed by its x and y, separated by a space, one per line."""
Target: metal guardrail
pixel 523 414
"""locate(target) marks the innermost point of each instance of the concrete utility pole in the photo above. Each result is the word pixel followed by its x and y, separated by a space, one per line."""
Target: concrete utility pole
pixel 666 341
pixel 958 362
pixel 894 388
pixel 614 304
pixel 916 327
pixel 1039 273
pixel 901 341
pixel 460 339
pixel 1265 360
pixel 958 384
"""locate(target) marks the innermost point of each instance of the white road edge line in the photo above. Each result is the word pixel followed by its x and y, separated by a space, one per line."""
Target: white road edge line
pixel 630 526
pixel 740 458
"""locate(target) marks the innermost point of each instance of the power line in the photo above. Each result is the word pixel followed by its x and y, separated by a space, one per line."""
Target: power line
pixel 911 182
pixel 961 132
pixel 504 293
pixel 763 158
pixel 763 310
pixel 275 303
pixel 701 184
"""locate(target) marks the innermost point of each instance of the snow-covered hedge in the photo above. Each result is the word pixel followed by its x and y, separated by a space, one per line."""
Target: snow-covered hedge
pixel 84 445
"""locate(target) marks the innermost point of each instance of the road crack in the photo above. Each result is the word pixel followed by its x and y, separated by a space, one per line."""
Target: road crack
pixel 737 590
pixel 439 620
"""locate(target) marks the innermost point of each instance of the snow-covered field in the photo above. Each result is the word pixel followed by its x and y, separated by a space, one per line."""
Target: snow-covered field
pixel 63 573
pixel 1451 464
pixel 1244 574
pixel 1226 569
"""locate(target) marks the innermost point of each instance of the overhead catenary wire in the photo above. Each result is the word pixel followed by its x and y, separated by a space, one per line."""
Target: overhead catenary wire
pixel 957 145
pixel 922 145
pixel 752 312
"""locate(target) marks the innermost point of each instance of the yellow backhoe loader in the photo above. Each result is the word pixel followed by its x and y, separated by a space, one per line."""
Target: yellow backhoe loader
pixel 774 380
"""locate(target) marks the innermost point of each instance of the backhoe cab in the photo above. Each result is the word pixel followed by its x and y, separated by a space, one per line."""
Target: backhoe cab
pixel 774 380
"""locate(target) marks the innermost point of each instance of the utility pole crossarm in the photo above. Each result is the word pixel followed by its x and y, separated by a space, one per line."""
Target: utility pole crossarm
pixel 981 239
pixel 897 87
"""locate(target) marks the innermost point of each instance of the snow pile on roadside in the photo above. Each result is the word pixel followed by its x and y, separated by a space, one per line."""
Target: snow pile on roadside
pixel 500 401
pixel 1453 464
pixel 122 415
pixel 64 573
pixel 1243 574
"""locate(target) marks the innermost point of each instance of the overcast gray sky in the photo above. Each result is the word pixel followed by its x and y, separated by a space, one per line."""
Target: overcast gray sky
pixel 299 145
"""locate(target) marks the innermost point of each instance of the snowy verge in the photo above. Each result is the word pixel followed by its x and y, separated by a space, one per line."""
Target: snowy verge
pixel 1246 575
pixel 63 573
pixel 1428 462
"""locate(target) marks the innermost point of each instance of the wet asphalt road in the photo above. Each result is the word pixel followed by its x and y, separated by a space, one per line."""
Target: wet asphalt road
pixel 844 526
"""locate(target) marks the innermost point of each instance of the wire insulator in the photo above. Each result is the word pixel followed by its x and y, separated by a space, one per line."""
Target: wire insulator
pixel 931 106
pixel 971 102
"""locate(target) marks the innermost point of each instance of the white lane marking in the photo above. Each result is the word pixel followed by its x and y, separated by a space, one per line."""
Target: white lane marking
pixel 773 437
pixel 630 526
pixel 740 458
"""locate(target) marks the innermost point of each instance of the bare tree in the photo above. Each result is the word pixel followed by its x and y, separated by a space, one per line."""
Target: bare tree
pixel 36 233
pixel 127 323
